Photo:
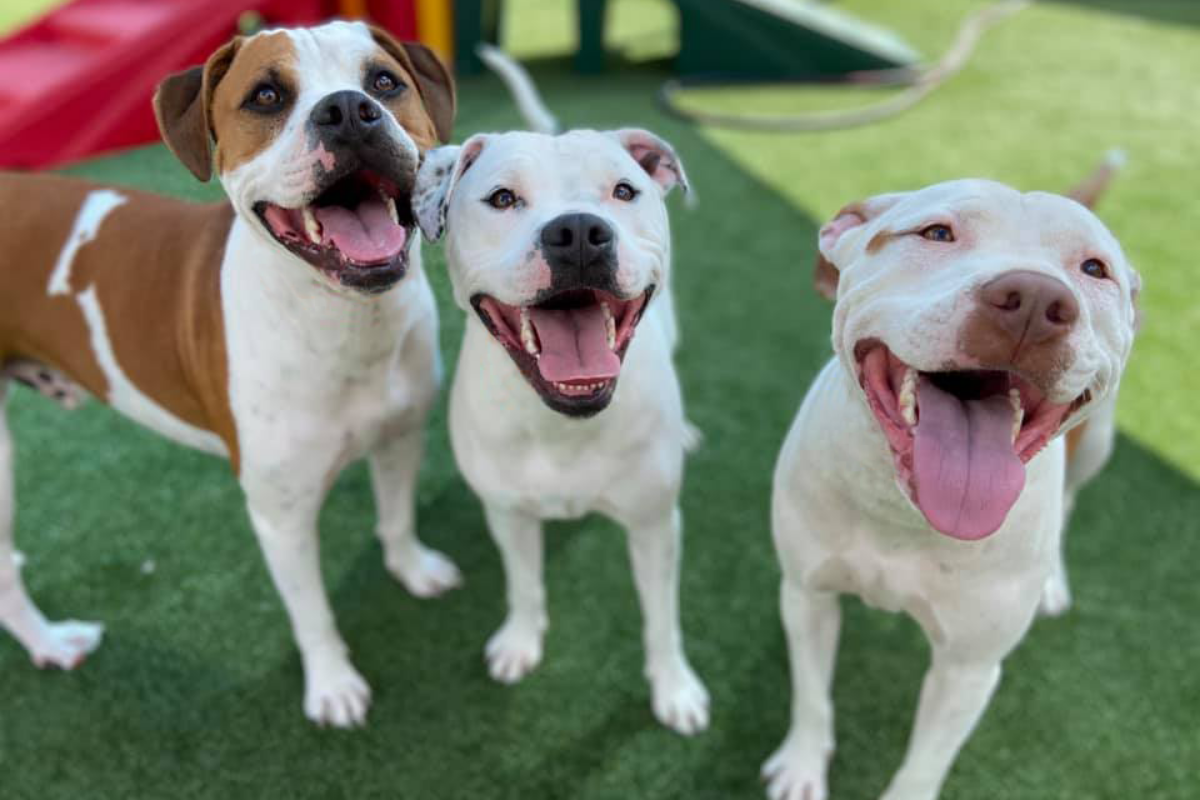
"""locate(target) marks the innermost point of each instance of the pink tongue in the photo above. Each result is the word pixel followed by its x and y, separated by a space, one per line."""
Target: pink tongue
pixel 366 235
pixel 574 344
pixel 966 474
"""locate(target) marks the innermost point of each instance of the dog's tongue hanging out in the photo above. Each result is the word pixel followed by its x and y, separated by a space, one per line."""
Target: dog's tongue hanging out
pixel 366 235
pixel 966 471
pixel 574 344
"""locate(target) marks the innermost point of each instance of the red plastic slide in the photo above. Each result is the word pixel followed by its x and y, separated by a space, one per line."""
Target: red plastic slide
pixel 79 80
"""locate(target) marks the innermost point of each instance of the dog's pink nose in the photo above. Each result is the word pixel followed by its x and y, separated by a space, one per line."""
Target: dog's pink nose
pixel 1031 307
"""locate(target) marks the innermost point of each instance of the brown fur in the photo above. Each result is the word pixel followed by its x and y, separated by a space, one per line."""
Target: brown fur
pixel 155 264
pixel 993 347
pixel 428 113
pixel 241 134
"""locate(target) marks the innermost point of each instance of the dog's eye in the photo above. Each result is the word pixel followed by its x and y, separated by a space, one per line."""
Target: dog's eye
pixel 1094 268
pixel 264 97
pixel 501 199
pixel 624 192
pixel 938 233
pixel 385 82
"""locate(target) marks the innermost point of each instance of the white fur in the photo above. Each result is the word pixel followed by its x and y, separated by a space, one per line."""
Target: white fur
pixel 95 209
pixel 125 397
pixel 319 376
pixel 842 525
pixel 528 463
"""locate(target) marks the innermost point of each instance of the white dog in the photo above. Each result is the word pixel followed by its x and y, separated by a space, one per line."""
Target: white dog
pixel 565 400
pixel 925 471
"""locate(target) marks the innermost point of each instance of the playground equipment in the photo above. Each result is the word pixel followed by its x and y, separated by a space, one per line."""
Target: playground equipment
pixel 79 80
pixel 763 40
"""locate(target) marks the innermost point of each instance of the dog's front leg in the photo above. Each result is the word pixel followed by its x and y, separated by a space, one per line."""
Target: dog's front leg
pixel 811 620
pixel 679 699
pixel 395 462
pixel 516 648
pixel 285 520
pixel 953 697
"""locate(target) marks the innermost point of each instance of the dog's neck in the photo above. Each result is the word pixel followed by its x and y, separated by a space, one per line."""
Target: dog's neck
pixel 289 301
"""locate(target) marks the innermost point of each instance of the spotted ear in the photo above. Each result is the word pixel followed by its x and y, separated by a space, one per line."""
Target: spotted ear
pixel 181 108
pixel 655 156
pixel 436 180
pixel 832 240
pixel 434 82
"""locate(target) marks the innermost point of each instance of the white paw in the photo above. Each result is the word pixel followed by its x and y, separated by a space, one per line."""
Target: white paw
pixel 514 650
pixel 1056 596
pixel 796 772
pixel 425 572
pixel 336 695
pixel 65 644
pixel 917 790
pixel 679 699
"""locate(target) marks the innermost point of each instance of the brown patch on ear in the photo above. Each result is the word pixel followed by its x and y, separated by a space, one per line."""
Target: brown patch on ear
pixel 182 108
pixel 825 278
pixel 432 80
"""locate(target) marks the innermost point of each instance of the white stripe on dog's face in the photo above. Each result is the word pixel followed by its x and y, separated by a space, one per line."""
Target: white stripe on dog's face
pixel 498 252
pixel 918 295
pixel 277 160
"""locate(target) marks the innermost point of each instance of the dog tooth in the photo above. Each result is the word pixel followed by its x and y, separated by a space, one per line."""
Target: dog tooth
pixel 527 337
pixel 390 202
pixel 908 396
pixel 610 326
pixel 1014 399
pixel 311 226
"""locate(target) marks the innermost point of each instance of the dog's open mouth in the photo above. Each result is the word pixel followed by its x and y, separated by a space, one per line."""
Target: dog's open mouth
pixel 570 346
pixel 960 439
pixel 356 231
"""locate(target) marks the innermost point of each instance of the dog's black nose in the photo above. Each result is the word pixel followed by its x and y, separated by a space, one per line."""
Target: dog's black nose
pixel 346 117
pixel 579 242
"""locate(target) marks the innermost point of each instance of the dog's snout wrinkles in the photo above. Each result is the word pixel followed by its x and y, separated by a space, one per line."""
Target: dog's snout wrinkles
pixel 1030 307
pixel 347 116
pixel 579 244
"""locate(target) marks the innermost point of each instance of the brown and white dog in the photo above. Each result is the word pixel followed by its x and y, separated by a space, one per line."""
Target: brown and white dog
pixel 290 330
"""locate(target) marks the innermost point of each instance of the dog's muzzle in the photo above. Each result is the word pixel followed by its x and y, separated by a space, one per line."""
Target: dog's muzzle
pixel 357 224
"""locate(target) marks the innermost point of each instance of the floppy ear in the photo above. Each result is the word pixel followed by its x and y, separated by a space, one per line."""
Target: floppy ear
pixel 434 83
pixel 181 107
pixel 655 156
pixel 436 180
pixel 831 239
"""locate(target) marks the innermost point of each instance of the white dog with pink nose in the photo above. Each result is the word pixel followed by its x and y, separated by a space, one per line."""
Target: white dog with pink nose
pixel 925 471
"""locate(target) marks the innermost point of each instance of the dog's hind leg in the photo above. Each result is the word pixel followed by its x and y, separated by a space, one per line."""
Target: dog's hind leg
pixel 49 644
pixel 679 699
pixel 516 648
pixel 1089 446
pixel 394 465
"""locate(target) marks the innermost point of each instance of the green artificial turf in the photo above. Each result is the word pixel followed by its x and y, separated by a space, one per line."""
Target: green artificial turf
pixel 196 690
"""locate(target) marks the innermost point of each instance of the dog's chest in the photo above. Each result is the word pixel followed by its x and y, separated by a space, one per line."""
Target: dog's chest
pixel 553 479
pixel 328 385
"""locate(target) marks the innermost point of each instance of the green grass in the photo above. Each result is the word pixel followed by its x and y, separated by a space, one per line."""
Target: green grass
pixel 196 691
